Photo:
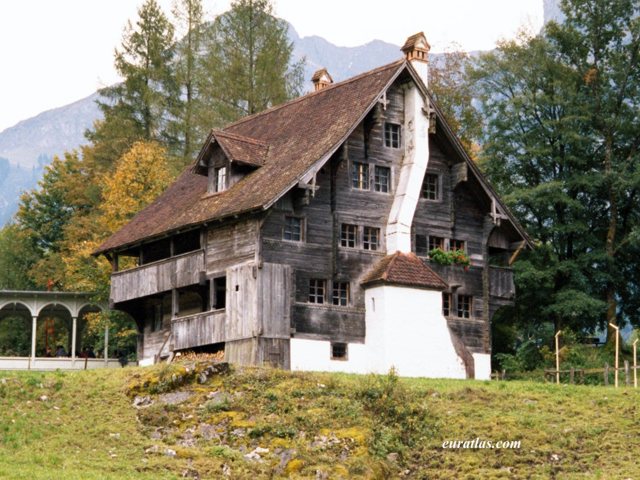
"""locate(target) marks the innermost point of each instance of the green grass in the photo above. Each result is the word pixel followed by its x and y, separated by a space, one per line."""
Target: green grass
pixel 344 426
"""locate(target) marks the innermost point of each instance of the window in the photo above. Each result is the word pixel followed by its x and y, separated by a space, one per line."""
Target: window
pixel 464 306
pixel 340 295
pixel 446 304
pixel 422 247
pixel 292 229
pixel 381 179
pixel 436 242
pixel 348 235
pixel 219 293
pixel 316 290
pixel 371 240
pixel 360 176
pixel 456 244
pixel 431 187
pixel 392 135
pixel 338 351
pixel 221 179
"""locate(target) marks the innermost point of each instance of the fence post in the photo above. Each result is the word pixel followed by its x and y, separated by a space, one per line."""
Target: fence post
pixel 504 374
pixel 571 374
pixel 627 373
pixel 615 374
pixel 635 364
pixel 558 357
pixel 606 374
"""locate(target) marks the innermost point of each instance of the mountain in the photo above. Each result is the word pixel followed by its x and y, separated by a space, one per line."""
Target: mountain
pixel 27 147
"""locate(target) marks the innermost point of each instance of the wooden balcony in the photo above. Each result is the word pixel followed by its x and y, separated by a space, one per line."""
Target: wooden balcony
pixel 501 284
pixel 199 329
pixel 160 276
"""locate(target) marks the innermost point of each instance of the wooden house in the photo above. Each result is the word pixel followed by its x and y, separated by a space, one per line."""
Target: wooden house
pixel 300 238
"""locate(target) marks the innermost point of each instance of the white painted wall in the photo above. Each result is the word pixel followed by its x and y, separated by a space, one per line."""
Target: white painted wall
pixel 405 330
pixel 315 355
pixel 482 366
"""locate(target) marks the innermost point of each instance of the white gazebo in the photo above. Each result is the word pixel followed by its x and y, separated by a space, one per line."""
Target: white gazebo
pixel 37 306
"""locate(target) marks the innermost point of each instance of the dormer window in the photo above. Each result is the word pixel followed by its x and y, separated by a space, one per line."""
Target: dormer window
pixel 392 135
pixel 220 179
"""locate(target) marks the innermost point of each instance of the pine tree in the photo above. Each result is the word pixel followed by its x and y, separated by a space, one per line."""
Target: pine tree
pixel 138 107
pixel 187 71
pixel 248 64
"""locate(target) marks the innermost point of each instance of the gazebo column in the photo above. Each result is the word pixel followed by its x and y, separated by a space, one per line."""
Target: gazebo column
pixel 34 327
pixel 106 343
pixel 74 333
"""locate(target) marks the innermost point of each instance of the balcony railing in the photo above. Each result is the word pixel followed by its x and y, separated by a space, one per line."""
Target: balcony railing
pixel 199 329
pixel 161 276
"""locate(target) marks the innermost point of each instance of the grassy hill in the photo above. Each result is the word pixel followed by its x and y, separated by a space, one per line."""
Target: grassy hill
pixel 188 421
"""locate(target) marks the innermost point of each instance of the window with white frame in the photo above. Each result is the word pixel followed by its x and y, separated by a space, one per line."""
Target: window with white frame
pixel 435 242
pixel 220 179
pixel 317 290
pixel 292 229
pixel 340 294
pixel 392 135
pixel 348 235
pixel 360 175
pixel 371 238
pixel 382 179
pixel 464 306
pixel 431 187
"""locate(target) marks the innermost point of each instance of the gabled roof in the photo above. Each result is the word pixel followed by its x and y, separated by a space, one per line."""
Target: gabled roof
pixel 298 134
pixel 288 143
pixel 404 269
pixel 241 149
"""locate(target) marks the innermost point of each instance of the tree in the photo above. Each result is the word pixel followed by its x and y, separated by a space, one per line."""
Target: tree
pixel 188 72
pixel 138 107
pixel 561 144
pixel 454 93
pixel 247 64
pixel 17 257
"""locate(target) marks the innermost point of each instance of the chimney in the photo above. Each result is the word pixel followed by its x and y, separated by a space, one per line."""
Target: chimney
pixel 321 79
pixel 416 50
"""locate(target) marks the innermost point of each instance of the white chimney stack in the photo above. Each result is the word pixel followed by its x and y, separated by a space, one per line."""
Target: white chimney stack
pixel 416 50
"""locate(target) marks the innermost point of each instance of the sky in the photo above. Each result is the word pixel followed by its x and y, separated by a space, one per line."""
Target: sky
pixel 53 53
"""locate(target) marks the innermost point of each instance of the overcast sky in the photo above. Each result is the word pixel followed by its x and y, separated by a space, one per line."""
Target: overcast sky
pixel 54 52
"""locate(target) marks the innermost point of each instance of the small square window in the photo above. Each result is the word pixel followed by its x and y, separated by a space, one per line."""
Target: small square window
pixel 340 294
pixel 360 175
pixel 221 179
pixel 431 187
pixel 371 238
pixel 382 179
pixel 292 229
pixel 422 246
pixel 392 135
pixel 338 351
pixel 456 245
pixel 348 235
pixel 446 304
pixel 317 289
pixel 464 306
pixel 436 242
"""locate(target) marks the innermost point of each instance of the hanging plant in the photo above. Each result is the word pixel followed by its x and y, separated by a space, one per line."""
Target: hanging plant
pixel 452 257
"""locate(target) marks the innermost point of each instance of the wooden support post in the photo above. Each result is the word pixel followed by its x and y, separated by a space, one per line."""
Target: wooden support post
pixel 615 375
pixel 635 364
pixel 571 375
pixel 34 328
pixel 558 356
pixel 627 373
pixel 106 343
pixel 74 333
pixel 606 374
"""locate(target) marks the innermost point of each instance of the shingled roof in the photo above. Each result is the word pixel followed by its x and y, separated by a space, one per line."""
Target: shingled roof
pixel 289 139
pixel 404 269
